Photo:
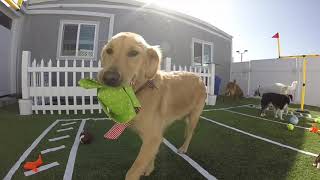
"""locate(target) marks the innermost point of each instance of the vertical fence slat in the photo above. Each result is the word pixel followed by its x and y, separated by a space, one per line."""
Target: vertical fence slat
pixel 91 97
pixel 50 85
pixel 58 85
pixel 74 84
pixel 66 86
pixel 34 84
pixel 83 100
pixel 41 79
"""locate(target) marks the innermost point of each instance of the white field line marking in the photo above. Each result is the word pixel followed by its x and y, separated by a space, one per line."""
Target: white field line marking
pixel 264 119
pixel 66 124
pixel 227 108
pixel 95 119
pixel 295 113
pixel 59 138
pixel 73 153
pixel 41 168
pixel 52 149
pixel 261 138
pixel 194 164
pixel 66 129
pixel 28 151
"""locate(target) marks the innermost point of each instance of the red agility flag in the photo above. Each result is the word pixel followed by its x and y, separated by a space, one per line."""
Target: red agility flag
pixel 116 131
pixel 276 35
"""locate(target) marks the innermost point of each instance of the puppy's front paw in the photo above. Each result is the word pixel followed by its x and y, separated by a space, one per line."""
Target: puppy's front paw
pixel 149 170
pixel 182 150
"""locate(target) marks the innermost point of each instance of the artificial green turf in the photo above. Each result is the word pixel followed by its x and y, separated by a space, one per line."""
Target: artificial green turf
pixel 226 154
pixel 230 155
pixel 105 159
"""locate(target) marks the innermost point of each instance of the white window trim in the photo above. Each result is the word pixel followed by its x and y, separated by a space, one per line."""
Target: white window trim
pixel 192 51
pixel 95 45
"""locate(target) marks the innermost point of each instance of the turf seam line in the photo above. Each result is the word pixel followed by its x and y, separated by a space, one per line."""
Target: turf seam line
pixel 194 164
pixel 265 119
pixel 261 138
pixel 73 153
pixel 66 129
pixel 58 138
pixel 52 149
pixel 217 109
pixel 28 151
pixel 41 168
pixel 66 124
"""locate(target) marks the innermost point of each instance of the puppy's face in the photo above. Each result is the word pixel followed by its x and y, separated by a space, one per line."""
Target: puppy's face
pixel 127 58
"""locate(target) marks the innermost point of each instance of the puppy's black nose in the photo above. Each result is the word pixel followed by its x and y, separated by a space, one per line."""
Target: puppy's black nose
pixel 111 78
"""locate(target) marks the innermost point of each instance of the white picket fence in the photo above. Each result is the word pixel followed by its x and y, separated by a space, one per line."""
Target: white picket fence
pixel 52 86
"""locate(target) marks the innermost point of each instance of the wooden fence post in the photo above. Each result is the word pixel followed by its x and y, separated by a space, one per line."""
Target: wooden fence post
pixel 25 104
pixel 26 59
pixel 211 97
pixel 167 64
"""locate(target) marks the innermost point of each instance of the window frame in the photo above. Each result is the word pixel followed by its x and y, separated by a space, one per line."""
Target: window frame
pixel 79 23
pixel 202 42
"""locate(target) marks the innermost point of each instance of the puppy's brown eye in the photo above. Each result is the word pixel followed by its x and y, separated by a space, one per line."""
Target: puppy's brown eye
pixel 109 51
pixel 133 53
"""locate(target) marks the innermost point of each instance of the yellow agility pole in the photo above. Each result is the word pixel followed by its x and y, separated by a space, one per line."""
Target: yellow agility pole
pixel 303 92
pixel 277 36
pixel 13 4
pixel 304 75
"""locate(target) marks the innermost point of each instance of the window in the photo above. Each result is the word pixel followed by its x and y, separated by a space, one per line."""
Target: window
pixel 202 52
pixel 77 39
pixel 5 21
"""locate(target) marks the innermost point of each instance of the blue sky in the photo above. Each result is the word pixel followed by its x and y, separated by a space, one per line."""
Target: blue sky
pixel 252 23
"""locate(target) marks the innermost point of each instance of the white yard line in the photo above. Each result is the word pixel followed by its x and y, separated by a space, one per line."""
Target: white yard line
pixel 66 129
pixel 66 124
pixel 41 168
pixel 73 153
pixel 194 164
pixel 95 119
pixel 217 109
pixel 58 138
pixel 264 119
pixel 261 138
pixel 52 149
pixel 28 151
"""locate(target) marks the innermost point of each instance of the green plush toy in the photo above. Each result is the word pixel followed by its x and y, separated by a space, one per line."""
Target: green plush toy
pixel 119 103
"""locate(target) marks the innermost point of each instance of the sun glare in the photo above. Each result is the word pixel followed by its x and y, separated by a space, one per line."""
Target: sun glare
pixel 213 11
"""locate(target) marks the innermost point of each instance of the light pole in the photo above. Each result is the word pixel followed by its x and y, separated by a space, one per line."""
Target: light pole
pixel 241 53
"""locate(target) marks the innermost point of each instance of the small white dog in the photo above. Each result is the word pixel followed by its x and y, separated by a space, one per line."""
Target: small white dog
pixel 277 88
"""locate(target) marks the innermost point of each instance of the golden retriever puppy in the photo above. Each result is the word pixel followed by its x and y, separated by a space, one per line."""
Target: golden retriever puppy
pixel 128 59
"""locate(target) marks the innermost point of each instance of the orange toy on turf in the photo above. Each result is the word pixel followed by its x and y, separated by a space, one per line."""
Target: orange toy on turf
pixel 314 128
pixel 33 165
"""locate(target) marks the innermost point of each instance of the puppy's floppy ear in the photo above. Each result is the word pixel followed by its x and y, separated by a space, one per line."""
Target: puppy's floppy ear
pixel 153 61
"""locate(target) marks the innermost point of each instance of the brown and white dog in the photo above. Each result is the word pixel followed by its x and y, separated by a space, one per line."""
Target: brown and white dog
pixel 233 90
pixel 128 59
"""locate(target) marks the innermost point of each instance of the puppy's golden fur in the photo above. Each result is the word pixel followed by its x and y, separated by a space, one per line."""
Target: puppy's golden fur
pixel 233 90
pixel 179 95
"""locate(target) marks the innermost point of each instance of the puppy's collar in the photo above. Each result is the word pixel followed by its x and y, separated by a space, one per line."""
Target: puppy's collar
pixel 150 84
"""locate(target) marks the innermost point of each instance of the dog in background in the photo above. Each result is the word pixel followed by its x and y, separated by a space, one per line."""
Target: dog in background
pixel 277 88
pixel 280 102
pixel 233 90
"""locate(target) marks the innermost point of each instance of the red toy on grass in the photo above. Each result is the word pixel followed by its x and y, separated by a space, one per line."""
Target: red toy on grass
pixel 33 165
pixel 314 129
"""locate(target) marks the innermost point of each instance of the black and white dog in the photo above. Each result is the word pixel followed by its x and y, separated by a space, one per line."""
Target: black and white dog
pixel 280 103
